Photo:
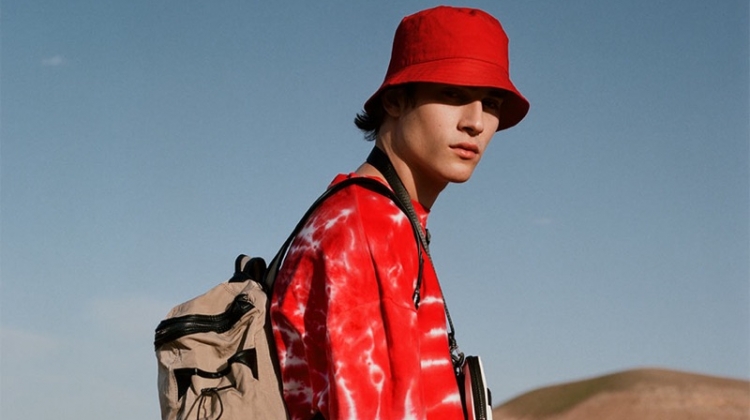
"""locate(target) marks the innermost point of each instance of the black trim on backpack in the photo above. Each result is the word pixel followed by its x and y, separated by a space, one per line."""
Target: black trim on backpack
pixel 173 328
pixel 247 357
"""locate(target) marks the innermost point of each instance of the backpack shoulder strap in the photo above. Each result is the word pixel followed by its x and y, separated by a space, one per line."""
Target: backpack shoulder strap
pixel 372 184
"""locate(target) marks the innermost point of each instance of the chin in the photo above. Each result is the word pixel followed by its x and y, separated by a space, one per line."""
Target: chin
pixel 460 175
pixel 459 178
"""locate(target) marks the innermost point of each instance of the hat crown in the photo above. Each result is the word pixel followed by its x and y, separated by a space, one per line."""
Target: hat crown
pixel 449 33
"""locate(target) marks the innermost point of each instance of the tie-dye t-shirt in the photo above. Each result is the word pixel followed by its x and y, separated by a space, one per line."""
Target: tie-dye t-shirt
pixel 351 343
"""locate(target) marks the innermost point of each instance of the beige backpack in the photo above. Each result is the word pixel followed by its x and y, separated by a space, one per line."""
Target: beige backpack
pixel 214 355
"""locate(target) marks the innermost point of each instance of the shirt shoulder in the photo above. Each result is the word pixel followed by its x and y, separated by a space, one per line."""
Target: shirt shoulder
pixel 353 231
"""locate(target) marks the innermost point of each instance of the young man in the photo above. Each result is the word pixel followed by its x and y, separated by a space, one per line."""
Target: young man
pixel 359 326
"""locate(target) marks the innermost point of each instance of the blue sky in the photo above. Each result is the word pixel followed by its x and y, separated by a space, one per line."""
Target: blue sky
pixel 146 143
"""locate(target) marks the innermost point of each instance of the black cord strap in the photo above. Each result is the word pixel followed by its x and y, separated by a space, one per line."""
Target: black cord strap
pixel 206 394
pixel 382 163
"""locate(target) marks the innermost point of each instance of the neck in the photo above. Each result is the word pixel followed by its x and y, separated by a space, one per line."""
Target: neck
pixel 422 191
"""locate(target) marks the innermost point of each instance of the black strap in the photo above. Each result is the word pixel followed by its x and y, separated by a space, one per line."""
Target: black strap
pixel 247 357
pixel 382 163
pixel 372 184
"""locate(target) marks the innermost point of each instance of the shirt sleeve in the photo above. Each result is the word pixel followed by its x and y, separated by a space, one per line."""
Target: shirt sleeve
pixel 345 324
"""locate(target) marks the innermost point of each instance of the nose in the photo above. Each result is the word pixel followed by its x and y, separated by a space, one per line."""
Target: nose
pixel 472 118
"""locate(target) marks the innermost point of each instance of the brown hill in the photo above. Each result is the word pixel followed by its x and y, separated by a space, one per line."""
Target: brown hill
pixel 642 394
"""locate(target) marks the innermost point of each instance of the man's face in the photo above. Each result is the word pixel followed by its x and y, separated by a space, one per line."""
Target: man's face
pixel 442 134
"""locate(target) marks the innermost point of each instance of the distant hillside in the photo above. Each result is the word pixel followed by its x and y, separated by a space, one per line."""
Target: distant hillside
pixel 643 394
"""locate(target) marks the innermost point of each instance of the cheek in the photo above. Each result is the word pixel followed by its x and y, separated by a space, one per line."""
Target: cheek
pixel 486 141
pixel 424 128
pixel 491 123
pixel 435 117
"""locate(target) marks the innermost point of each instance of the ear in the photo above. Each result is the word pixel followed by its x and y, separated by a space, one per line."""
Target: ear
pixel 393 101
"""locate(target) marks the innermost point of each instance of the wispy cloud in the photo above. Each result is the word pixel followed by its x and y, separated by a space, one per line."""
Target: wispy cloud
pixel 542 221
pixel 54 61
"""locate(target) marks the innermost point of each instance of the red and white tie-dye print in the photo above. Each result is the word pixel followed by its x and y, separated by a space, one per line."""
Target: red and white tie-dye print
pixel 351 343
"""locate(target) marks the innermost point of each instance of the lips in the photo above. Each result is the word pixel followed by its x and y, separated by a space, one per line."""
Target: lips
pixel 466 150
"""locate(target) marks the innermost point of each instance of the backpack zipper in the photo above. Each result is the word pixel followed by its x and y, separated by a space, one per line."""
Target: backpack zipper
pixel 174 328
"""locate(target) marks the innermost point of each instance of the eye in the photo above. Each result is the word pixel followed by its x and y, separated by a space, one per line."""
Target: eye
pixel 492 104
pixel 455 95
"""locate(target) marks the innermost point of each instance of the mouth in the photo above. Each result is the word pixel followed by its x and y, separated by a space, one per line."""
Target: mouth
pixel 465 150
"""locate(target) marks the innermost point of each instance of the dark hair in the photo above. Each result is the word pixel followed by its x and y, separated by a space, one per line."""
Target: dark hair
pixel 370 122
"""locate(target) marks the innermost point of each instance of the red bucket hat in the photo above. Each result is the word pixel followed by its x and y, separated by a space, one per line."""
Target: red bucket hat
pixel 455 46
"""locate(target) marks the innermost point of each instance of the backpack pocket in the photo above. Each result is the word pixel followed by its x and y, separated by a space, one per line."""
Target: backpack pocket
pixel 214 359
